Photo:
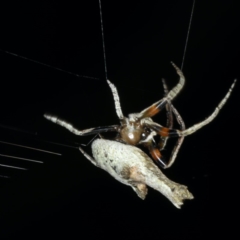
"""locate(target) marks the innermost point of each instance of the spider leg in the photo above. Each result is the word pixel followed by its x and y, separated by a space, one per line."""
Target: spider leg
pixel 86 155
pixel 159 105
pixel 153 148
pixel 166 132
pixel 155 152
pixel 116 100
pixel 170 125
pixel 179 141
pixel 169 111
pixel 97 135
pixel 85 132
pixel 160 130
pixel 198 126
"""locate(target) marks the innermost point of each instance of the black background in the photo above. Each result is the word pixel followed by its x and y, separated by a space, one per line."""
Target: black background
pixel 66 195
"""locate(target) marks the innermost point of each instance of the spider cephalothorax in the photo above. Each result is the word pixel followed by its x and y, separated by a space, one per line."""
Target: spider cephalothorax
pixel 132 132
pixel 139 128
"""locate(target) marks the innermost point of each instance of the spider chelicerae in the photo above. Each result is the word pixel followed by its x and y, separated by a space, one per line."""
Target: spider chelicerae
pixel 140 129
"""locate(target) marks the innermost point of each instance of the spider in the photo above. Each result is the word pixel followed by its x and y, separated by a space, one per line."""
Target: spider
pixel 140 129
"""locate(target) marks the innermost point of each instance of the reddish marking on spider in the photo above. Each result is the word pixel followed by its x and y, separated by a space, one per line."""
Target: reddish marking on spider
pixel 156 154
pixel 152 111
pixel 164 132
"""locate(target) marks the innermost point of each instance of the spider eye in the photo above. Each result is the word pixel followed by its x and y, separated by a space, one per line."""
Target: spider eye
pixel 144 135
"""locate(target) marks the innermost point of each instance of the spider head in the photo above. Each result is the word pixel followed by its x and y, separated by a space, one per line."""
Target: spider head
pixel 133 132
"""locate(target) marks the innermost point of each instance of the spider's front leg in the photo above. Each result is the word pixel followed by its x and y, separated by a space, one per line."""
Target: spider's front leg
pixel 199 125
pixel 85 132
pixel 161 104
pixel 170 111
pixel 179 141
pixel 167 132
pixel 155 148
pixel 196 127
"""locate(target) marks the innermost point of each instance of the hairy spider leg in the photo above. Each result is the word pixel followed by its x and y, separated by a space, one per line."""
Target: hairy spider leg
pixel 153 148
pixel 85 132
pixel 166 132
pixel 179 141
pixel 154 108
pixel 116 100
pixel 170 125
pixel 169 112
pixel 198 126
pixel 159 105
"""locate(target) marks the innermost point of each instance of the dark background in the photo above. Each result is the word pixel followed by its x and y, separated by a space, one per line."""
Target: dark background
pixel 66 195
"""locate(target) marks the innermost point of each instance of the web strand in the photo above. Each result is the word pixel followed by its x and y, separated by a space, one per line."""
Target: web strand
pixel 103 41
pixel 35 149
pixel 189 27
pixel 47 65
